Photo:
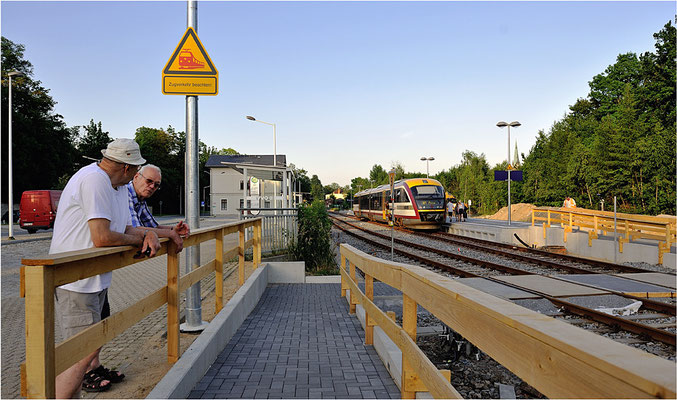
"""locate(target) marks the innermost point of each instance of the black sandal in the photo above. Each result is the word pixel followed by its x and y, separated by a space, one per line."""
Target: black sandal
pixel 94 383
pixel 107 374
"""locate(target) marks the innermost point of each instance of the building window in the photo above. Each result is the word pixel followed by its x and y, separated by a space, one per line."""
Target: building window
pixel 224 204
pixel 241 185
pixel 266 204
pixel 241 203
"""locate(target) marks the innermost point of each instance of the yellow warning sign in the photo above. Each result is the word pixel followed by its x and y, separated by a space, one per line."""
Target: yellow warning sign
pixel 189 70
pixel 510 168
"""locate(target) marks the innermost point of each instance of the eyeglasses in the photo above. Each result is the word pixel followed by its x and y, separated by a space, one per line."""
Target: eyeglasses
pixel 151 182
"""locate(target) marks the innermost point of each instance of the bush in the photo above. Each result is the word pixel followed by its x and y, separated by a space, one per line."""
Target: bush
pixel 313 244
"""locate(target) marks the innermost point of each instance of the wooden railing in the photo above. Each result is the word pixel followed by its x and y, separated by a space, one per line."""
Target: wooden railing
pixel 40 277
pixel 558 359
pixel 628 226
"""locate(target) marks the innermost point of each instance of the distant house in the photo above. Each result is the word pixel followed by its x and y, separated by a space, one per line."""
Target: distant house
pixel 249 181
pixel 338 194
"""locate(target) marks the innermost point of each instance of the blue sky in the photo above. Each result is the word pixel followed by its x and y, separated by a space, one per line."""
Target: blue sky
pixel 349 84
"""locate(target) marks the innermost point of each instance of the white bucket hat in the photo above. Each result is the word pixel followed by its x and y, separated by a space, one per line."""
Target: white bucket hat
pixel 125 151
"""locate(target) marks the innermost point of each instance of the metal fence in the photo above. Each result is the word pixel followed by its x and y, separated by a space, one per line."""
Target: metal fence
pixel 280 227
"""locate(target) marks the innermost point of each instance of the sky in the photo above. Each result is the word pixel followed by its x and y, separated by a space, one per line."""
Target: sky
pixel 348 84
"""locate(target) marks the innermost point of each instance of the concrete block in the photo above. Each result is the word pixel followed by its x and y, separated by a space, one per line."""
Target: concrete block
pixel 287 272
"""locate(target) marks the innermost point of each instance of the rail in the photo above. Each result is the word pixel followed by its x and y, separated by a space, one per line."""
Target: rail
pixel 280 227
pixel 40 277
pixel 629 226
pixel 558 359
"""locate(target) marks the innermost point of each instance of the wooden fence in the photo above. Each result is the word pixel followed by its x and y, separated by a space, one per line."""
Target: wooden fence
pixel 558 359
pixel 628 226
pixel 40 277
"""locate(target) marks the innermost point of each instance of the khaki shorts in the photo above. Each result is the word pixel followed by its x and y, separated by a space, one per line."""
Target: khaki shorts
pixel 76 311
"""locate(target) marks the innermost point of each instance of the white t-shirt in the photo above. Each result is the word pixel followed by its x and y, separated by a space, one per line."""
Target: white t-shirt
pixel 89 194
pixel 450 207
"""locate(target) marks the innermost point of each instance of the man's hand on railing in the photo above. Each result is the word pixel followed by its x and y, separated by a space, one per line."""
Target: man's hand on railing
pixel 182 229
pixel 152 243
pixel 176 238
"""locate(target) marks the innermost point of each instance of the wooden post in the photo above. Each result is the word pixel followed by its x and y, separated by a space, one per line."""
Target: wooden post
pixel 344 286
pixel 533 214
pixel 257 243
pixel 39 314
pixel 409 321
pixel 173 303
pixel 218 270
pixel 353 275
pixel 240 253
pixel 369 292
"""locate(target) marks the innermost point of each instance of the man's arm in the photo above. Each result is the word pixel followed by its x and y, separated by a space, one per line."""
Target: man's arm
pixel 102 236
pixel 162 231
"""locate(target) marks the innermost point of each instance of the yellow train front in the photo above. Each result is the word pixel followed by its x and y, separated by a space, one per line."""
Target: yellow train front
pixel 418 203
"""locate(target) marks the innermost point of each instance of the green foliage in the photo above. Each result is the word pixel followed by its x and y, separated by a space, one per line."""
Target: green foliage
pixel 619 141
pixel 313 244
pixel 316 189
pixel 93 140
pixel 42 149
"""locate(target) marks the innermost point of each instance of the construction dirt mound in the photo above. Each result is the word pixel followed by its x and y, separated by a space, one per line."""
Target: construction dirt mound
pixel 519 212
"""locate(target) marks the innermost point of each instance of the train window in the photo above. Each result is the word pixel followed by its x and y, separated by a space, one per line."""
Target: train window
pixel 428 191
pixel 401 196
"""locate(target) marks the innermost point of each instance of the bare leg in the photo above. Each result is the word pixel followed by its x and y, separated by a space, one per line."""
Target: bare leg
pixel 68 382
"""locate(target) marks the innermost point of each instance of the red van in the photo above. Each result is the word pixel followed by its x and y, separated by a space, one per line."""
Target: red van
pixel 38 209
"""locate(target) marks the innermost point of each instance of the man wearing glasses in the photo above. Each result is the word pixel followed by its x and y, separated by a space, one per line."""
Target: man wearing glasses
pixel 145 183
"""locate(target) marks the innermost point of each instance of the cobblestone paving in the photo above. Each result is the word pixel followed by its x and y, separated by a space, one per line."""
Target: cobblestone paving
pixel 299 342
pixel 129 285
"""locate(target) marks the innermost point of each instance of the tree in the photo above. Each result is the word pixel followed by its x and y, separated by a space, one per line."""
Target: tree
pixel 93 140
pixel 378 175
pixel 42 145
pixel 316 189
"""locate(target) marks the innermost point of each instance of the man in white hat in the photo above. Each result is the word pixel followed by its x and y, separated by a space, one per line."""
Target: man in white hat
pixel 94 212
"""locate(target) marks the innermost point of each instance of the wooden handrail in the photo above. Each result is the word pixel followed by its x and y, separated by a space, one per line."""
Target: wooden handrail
pixel 558 359
pixel 629 226
pixel 41 276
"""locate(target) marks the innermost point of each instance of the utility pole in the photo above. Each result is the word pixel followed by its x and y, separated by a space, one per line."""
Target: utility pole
pixel 193 307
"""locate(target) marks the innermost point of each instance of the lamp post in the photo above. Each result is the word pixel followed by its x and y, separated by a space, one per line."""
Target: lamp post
pixel 427 165
pixel 10 214
pixel 204 199
pixel 249 117
pixel 514 124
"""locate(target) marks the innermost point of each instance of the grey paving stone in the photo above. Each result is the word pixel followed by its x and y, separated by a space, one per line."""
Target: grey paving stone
pixel 299 342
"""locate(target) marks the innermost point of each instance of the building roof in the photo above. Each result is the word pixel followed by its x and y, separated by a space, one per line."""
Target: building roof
pixel 218 160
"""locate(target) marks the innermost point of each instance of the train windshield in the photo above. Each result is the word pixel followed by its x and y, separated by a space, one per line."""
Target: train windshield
pixel 428 197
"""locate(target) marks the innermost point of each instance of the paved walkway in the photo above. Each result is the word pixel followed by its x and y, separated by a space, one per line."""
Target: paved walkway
pixel 299 342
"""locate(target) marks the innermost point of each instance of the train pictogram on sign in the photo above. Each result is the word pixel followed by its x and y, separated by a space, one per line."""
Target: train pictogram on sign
pixel 188 61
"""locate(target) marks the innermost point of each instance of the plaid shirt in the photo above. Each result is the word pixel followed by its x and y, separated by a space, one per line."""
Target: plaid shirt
pixel 141 215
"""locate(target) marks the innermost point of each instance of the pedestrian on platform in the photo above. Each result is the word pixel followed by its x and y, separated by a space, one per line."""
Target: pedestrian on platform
pixel 569 203
pixel 450 210
pixel 462 213
pixel 94 212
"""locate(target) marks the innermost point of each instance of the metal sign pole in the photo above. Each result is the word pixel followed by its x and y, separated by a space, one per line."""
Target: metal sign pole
pixel 193 300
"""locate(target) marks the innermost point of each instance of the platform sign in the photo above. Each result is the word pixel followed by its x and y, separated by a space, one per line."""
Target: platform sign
pixel 190 71
pixel 503 175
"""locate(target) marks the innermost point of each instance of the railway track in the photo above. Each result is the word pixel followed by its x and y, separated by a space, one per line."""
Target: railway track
pixel 654 322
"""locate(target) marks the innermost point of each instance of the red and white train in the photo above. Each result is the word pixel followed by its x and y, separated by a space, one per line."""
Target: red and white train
pixel 419 203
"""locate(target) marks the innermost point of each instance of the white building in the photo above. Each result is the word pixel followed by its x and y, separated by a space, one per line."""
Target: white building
pixel 249 181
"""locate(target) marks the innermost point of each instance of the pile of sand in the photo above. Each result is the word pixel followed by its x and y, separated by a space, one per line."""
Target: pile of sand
pixel 518 212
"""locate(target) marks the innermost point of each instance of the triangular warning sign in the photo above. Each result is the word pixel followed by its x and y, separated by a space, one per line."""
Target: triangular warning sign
pixel 190 58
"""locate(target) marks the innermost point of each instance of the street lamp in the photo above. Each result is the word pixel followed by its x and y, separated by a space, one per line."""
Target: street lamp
pixel 10 214
pixel 514 124
pixel 427 165
pixel 249 117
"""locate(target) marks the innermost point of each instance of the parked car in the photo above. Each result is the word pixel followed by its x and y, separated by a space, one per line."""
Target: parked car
pixel 15 217
pixel 38 209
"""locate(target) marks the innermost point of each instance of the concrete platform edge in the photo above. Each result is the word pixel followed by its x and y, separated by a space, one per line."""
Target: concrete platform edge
pixel 196 360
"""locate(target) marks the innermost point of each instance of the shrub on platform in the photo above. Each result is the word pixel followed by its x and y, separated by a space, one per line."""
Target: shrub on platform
pixel 313 244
